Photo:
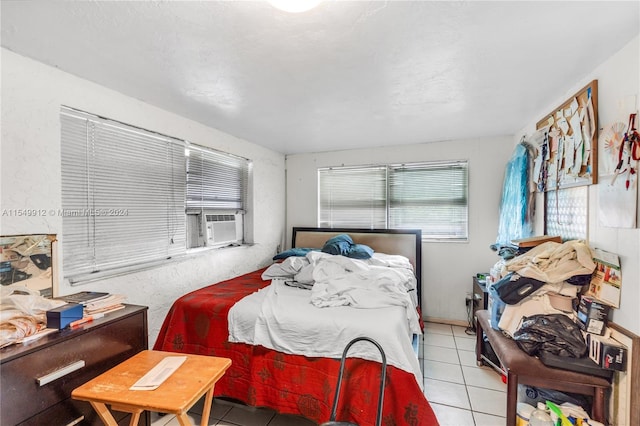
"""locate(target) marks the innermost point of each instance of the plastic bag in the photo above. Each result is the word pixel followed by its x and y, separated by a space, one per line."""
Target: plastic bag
pixel 26 300
pixel 553 333
pixel 532 395
pixel 516 208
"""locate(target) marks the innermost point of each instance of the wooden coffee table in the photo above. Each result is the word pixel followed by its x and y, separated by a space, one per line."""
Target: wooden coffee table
pixel 195 377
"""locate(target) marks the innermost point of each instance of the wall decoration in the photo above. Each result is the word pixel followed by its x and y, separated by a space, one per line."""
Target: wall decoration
pixel 611 140
pixel 616 203
pixel 618 191
pixel 567 154
pixel 27 261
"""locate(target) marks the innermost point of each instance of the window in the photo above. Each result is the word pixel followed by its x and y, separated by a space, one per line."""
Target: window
pixel 216 197
pixel 353 197
pixel 127 194
pixel 427 196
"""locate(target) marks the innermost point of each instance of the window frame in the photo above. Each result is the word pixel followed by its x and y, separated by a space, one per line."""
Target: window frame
pixel 427 236
pixel 78 184
pixel 226 201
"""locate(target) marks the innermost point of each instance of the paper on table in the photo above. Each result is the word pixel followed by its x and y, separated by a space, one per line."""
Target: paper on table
pixel 158 374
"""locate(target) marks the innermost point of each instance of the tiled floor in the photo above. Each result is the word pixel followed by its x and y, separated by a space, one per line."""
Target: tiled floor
pixel 460 393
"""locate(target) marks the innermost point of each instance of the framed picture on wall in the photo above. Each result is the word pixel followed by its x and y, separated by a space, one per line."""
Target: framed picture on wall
pixel 26 261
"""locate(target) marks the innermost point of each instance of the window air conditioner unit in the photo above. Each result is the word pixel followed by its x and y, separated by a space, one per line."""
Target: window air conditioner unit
pixel 221 228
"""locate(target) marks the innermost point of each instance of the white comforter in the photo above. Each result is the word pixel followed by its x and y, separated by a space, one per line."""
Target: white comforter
pixel 286 319
pixel 340 281
pixel 317 266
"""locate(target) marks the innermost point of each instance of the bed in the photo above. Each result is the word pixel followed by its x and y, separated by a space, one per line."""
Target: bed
pixel 293 378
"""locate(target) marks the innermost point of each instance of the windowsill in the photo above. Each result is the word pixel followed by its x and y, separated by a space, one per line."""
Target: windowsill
pixel 133 269
pixel 196 250
pixel 444 240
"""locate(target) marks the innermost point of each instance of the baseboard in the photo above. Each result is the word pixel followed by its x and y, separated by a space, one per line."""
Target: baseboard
pixel 446 321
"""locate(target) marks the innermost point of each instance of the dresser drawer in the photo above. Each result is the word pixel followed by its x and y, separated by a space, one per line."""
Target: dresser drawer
pixel 41 379
pixel 67 412
pixel 72 412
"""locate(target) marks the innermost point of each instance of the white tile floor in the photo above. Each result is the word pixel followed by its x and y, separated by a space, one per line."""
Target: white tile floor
pixel 460 393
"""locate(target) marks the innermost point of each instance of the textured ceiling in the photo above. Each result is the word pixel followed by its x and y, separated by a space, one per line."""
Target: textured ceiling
pixel 348 74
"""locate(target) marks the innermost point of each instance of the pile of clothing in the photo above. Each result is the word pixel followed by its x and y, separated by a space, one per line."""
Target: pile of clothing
pixel 22 313
pixel 541 287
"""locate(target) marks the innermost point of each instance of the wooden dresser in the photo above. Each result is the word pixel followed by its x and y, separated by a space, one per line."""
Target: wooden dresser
pixel 36 378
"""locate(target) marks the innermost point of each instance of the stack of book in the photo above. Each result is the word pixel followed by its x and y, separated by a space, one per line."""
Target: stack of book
pixel 112 302
pixel 96 302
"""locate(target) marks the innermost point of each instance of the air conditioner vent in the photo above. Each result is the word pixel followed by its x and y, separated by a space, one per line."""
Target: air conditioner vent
pixel 221 228
pixel 221 218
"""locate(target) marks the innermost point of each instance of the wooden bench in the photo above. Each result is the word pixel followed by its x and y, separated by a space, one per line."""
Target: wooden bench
pixel 521 368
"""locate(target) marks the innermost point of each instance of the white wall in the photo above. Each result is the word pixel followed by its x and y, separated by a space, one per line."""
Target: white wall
pixel 30 178
pixel 447 267
pixel 618 93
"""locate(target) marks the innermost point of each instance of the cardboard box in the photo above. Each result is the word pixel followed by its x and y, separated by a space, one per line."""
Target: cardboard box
pixel 593 316
pixel 607 353
pixel 536 241
pixel 64 315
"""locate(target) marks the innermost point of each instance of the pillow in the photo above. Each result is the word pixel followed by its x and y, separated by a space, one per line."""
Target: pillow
pixel 340 244
pixel 360 251
pixel 296 251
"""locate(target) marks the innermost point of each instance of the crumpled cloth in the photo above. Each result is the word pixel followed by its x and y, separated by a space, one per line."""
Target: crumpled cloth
pixel 341 281
pixel 19 327
pixel 553 262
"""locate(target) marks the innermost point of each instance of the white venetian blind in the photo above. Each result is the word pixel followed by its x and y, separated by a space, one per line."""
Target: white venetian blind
pixel 216 180
pixel 430 196
pixel 123 195
pixel 352 197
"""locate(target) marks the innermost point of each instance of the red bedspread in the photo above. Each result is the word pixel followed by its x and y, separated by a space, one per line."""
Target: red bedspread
pixel 291 384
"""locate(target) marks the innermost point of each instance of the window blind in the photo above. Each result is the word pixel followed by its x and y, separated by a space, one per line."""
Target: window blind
pixel 215 180
pixel 352 197
pixel 432 197
pixel 123 195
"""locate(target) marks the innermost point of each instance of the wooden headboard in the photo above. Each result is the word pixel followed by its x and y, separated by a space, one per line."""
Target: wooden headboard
pixel 405 242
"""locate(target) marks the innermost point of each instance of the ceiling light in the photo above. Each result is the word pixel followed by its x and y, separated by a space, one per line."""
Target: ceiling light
pixel 294 6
